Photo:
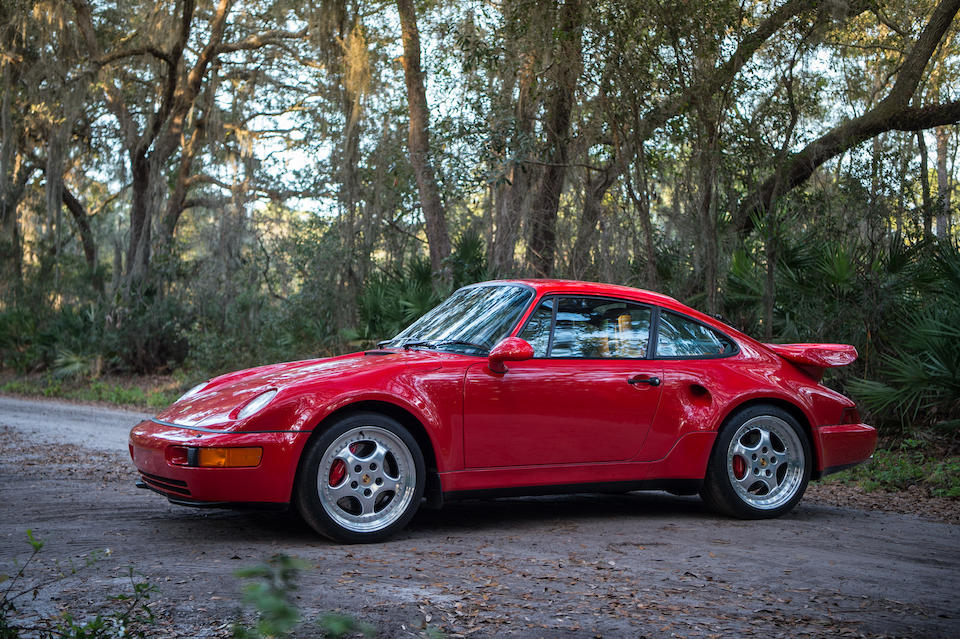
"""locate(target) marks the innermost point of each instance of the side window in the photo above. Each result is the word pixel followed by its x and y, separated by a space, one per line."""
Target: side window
pixel 678 336
pixel 593 328
pixel 537 330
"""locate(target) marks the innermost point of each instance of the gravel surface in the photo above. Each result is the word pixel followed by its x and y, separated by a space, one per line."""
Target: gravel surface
pixel 640 564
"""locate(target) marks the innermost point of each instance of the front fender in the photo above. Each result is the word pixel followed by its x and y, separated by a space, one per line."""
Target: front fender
pixel 432 397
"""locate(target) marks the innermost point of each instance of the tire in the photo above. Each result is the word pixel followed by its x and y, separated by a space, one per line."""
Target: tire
pixel 361 480
pixel 760 464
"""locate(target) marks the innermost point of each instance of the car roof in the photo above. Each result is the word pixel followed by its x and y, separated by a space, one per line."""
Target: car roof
pixel 593 288
pixel 542 286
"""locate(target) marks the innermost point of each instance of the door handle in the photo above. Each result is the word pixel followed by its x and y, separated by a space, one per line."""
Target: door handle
pixel 650 380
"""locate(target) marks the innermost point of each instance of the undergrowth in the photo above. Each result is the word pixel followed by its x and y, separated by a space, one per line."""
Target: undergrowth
pixel 95 390
pixel 904 465
pixel 269 591
pixel 126 615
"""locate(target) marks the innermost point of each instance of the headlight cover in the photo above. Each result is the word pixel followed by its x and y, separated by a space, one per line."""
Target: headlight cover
pixel 193 391
pixel 257 403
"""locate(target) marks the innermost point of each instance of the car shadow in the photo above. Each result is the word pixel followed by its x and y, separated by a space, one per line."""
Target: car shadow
pixel 477 514
pixel 485 516
pixel 474 515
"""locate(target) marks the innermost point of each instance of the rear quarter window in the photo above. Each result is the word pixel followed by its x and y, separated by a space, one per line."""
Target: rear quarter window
pixel 679 336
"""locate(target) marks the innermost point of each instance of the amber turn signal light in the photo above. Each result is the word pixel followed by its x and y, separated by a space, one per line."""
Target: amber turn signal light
pixel 228 457
pixel 214 457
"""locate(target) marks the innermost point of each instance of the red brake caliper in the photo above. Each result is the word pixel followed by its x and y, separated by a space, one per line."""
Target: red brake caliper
pixel 337 472
pixel 739 467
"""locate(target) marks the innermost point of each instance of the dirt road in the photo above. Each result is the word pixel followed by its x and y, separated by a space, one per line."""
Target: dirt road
pixel 641 564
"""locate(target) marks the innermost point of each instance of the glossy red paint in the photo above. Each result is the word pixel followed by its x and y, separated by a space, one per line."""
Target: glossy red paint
pixel 512 349
pixel 542 422
pixel 844 445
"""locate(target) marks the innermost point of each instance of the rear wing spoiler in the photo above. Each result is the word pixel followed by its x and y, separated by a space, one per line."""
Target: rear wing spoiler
pixel 813 359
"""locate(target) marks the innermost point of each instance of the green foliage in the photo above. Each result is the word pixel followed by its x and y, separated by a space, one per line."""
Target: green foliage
pixel 90 391
pixel 269 590
pixel 34 337
pixel 129 614
pixel 906 465
pixel 148 333
pixel 919 379
pixel 336 626
pixel 468 260
pixel 390 301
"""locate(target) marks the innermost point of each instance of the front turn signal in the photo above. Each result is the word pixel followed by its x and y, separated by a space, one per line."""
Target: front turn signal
pixel 196 456
pixel 229 457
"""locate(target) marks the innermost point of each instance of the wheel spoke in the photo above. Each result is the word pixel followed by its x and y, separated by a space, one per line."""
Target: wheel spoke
pixel 390 485
pixel 765 445
pixel 343 490
pixel 739 449
pixel 367 504
pixel 747 481
pixel 770 482
pixel 348 458
pixel 782 459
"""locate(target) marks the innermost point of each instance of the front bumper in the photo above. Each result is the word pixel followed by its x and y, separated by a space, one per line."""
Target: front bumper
pixel 270 482
pixel 844 445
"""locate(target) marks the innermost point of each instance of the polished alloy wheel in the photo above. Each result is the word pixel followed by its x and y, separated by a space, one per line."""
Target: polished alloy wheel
pixel 765 462
pixel 366 479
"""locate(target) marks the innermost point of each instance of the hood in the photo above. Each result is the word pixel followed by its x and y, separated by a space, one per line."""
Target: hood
pixel 224 396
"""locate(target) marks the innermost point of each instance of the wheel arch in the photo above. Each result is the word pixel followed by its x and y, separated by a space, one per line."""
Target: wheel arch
pixel 795 411
pixel 406 418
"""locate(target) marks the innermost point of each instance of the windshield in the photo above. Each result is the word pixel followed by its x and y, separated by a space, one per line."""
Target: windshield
pixel 474 318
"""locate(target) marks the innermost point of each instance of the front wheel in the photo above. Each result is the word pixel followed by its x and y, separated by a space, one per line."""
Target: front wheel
pixel 362 480
pixel 760 464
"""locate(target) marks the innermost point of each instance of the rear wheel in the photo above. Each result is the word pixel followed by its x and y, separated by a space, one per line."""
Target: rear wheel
pixel 362 480
pixel 760 465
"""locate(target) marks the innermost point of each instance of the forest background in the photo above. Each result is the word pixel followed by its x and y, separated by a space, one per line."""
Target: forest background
pixel 194 186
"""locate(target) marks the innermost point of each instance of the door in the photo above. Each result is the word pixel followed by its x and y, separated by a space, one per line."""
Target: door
pixel 589 395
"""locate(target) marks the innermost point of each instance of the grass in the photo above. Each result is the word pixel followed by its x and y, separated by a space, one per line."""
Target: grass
pixel 147 393
pixel 911 462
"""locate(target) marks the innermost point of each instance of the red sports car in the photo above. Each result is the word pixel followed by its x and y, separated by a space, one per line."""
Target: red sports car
pixel 513 387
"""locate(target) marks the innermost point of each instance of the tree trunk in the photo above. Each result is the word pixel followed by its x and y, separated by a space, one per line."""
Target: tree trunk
pixel 419 140
pixel 942 135
pixel 147 197
pixel 707 213
pixel 542 243
pixel 925 186
pixel 14 176
pixel 513 194
pixel 594 191
pixel 82 221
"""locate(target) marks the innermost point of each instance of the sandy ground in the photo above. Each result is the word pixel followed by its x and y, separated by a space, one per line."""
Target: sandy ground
pixel 641 564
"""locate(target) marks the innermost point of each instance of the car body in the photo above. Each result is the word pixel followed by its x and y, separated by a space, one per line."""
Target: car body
pixel 514 387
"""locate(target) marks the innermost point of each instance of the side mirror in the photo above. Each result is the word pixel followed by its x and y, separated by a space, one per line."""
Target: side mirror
pixel 512 349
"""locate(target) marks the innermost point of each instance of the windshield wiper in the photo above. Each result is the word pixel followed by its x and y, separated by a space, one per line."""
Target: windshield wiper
pixel 433 343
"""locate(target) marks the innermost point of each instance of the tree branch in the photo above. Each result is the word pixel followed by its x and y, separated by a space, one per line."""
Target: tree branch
pixel 260 40
pixel 131 53
pixel 891 113
pixel 83 225
pixel 671 106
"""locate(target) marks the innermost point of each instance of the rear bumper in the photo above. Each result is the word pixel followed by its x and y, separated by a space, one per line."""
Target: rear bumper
pixel 844 445
pixel 270 482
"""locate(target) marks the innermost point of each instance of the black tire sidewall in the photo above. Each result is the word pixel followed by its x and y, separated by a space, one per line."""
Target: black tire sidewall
pixel 718 491
pixel 307 498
